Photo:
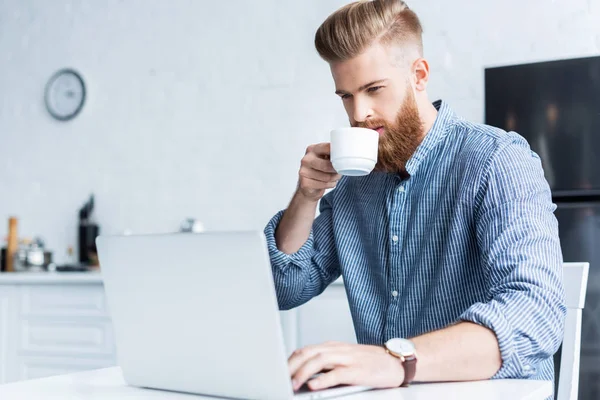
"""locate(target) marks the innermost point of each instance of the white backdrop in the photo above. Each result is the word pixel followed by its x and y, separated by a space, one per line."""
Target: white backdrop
pixel 204 109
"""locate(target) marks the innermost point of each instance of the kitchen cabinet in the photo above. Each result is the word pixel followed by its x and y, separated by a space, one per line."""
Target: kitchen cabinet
pixel 53 323
pixel 6 339
pixel 325 318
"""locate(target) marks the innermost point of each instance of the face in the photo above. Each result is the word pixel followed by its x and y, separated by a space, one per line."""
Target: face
pixel 378 93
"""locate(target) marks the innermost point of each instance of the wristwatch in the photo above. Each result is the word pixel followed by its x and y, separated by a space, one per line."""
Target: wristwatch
pixel 404 349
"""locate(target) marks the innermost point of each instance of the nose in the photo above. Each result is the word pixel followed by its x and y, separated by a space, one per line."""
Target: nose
pixel 362 110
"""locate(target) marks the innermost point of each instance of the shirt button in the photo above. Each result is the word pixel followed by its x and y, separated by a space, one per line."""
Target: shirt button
pixel 395 293
pixel 395 238
pixel 401 189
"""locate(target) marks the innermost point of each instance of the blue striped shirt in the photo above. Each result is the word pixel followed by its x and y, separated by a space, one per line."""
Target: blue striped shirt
pixel 469 235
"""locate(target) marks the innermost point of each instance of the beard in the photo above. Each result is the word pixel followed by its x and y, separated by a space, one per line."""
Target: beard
pixel 400 139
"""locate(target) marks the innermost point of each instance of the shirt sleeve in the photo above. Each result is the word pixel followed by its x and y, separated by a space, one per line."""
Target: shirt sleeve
pixel 517 235
pixel 300 276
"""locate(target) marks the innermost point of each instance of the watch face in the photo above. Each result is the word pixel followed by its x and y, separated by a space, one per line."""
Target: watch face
pixel 65 94
pixel 399 346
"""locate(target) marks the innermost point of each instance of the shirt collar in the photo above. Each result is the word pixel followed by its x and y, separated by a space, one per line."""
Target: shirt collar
pixel 443 121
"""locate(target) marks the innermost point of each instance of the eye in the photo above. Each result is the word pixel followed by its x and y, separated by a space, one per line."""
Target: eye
pixel 345 96
pixel 373 89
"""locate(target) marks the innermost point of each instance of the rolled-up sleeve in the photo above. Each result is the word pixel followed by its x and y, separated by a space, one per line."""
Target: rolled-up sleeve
pixel 517 235
pixel 300 276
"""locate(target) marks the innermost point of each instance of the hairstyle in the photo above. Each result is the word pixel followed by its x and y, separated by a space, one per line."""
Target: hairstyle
pixel 351 29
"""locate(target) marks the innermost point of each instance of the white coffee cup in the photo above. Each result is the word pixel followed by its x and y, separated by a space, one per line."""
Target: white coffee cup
pixel 354 150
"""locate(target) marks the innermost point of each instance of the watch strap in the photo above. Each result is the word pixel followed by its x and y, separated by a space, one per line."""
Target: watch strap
pixel 410 369
pixel 409 363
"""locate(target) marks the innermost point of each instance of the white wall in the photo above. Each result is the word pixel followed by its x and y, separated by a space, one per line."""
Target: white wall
pixel 204 109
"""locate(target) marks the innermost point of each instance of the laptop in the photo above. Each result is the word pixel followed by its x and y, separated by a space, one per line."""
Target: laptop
pixel 197 313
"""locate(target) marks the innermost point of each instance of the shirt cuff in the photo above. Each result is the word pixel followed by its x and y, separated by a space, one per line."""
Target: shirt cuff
pixel 491 316
pixel 281 260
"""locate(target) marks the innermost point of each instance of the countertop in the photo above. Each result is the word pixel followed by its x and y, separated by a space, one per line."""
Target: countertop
pixel 58 278
pixel 50 278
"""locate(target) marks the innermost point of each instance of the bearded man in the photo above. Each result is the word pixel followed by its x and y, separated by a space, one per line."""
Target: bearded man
pixel 449 249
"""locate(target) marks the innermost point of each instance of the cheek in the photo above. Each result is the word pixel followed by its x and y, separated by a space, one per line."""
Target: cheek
pixel 348 108
pixel 389 106
pixel 390 115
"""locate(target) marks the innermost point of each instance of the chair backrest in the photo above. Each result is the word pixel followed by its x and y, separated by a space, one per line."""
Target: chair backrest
pixel 575 280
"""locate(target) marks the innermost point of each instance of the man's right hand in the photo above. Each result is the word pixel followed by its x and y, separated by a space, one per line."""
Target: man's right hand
pixel 316 172
pixel 316 176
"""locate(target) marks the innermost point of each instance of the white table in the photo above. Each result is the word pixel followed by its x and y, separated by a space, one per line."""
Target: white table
pixel 108 383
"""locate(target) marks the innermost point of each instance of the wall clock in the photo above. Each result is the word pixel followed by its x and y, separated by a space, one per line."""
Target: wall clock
pixel 65 94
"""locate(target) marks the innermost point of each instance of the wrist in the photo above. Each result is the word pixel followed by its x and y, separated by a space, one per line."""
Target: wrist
pixel 397 371
pixel 404 351
pixel 303 199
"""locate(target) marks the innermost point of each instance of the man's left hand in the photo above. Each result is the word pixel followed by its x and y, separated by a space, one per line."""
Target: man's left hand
pixel 342 363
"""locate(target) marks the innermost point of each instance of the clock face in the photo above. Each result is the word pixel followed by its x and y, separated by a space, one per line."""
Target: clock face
pixel 401 346
pixel 65 94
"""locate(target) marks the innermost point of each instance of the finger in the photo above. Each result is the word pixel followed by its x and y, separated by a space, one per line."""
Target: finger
pixel 318 164
pixel 321 361
pixel 300 356
pixel 325 166
pixel 338 376
pixel 307 183
pixel 317 175
pixel 320 149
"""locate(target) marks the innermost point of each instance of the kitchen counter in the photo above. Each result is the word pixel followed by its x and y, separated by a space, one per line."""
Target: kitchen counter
pixel 53 278
pixel 49 278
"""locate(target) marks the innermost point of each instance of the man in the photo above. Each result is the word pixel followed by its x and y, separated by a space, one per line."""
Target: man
pixel 451 242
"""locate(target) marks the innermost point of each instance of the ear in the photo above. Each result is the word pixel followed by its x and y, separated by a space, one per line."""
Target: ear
pixel 420 73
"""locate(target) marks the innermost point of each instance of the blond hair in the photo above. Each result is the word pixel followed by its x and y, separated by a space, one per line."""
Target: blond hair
pixel 350 30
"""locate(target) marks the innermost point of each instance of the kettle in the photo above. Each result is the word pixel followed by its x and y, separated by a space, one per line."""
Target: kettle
pixel 32 256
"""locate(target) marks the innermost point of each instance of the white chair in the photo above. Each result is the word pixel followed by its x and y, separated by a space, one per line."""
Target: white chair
pixel 575 280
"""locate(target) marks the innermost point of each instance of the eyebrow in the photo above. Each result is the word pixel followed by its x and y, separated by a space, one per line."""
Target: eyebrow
pixel 363 87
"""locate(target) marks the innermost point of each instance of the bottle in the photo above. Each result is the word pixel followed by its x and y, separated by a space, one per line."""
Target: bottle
pixel 3 256
pixel 12 245
pixel 88 231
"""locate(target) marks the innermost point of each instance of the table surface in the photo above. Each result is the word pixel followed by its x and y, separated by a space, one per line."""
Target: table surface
pixel 108 383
